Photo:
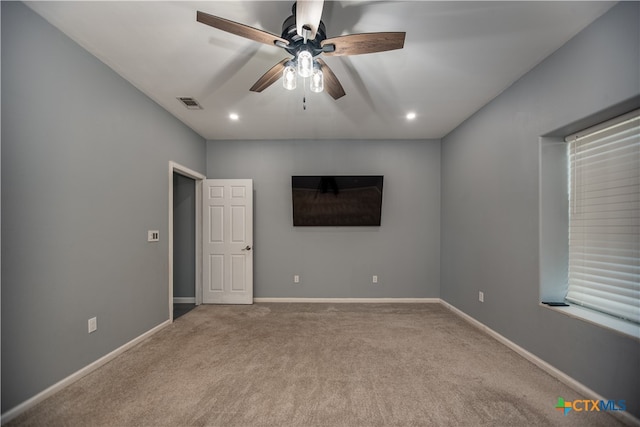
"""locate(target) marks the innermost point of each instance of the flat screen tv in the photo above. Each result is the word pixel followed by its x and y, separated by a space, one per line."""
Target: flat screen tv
pixel 337 200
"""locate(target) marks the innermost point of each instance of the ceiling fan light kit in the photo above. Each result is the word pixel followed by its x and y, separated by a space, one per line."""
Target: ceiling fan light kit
pixel 307 67
pixel 304 38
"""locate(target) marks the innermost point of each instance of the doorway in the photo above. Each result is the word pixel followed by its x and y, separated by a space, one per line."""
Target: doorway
pixel 184 244
pixel 185 241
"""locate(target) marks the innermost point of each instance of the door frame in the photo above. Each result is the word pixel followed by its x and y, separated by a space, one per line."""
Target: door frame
pixel 198 178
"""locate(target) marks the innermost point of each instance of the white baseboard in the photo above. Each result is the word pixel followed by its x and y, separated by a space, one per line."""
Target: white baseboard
pixel 184 300
pixel 351 300
pixel 550 369
pixel 31 402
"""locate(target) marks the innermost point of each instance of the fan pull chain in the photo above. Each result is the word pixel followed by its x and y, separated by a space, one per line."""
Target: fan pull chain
pixel 304 96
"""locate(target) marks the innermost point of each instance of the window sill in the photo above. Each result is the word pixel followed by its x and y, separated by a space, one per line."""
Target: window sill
pixel 623 327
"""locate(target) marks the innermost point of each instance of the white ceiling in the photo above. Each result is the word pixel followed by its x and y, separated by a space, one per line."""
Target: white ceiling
pixel 457 57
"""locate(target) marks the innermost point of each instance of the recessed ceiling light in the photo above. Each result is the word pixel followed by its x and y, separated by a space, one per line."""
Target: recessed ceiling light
pixel 411 116
pixel 234 116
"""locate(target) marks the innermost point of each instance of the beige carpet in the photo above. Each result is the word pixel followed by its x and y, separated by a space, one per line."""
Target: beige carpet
pixel 315 365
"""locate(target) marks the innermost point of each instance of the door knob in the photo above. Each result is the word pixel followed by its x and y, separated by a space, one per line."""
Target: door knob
pixel 248 248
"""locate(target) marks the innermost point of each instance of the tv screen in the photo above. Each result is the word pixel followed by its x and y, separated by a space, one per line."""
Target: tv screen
pixel 337 200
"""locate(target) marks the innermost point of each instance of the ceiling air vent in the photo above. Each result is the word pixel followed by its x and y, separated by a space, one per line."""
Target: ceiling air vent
pixel 190 103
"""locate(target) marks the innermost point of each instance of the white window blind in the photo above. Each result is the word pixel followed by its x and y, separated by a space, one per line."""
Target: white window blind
pixel 604 217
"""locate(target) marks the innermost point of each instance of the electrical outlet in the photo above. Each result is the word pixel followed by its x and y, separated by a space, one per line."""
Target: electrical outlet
pixel 153 236
pixel 93 324
pixel 481 296
pixel 374 279
pixel 296 278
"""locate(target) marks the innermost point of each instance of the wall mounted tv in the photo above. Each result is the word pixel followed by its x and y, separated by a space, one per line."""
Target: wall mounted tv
pixel 337 200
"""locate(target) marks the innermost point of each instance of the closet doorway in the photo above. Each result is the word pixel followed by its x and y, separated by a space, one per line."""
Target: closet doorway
pixel 185 276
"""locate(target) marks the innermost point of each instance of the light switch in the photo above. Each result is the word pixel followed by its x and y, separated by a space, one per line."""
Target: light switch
pixel 93 324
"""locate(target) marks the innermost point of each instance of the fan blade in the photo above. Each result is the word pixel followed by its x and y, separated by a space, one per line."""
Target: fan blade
pixel 270 77
pixel 239 29
pixel 309 13
pixel 358 44
pixel 331 83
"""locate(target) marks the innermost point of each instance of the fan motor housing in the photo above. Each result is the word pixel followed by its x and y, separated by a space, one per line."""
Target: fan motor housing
pixel 296 42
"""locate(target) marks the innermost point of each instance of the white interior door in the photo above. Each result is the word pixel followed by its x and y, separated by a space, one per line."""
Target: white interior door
pixel 228 241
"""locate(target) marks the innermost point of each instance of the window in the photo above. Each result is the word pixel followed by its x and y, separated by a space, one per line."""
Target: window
pixel 604 217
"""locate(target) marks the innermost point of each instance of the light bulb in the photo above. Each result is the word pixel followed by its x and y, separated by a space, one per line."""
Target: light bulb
pixel 317 80
pixel 305 63
pixel 289 77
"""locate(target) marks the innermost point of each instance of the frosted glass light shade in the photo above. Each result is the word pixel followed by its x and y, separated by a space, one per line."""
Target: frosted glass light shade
pixel 317 80
pixel 289 77
pixel 305 63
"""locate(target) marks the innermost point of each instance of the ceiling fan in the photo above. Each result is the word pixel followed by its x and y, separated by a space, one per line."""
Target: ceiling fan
pixel 304 38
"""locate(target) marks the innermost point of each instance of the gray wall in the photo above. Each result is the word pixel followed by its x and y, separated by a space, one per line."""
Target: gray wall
pixel 490 208
pixel 184 236
pixel 332 261
pixel 85 174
